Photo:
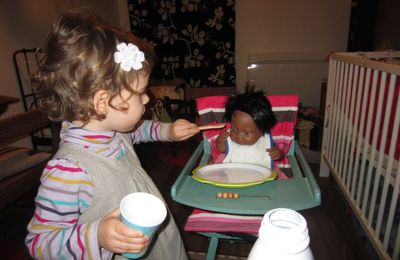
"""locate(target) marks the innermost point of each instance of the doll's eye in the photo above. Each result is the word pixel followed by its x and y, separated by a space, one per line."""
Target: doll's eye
pixel 248 133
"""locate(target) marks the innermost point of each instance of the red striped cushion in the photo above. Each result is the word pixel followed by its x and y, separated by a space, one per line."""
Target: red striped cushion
pixel 205 221
pixel 285 108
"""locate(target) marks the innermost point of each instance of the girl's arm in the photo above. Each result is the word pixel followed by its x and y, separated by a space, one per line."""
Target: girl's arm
pixel 149 131
pixel 54 232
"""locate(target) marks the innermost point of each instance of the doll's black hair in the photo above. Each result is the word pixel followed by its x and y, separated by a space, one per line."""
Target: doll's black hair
pixel 255 104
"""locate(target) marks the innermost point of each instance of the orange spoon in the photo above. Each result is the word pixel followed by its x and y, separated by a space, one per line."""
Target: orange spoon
pixel 213 126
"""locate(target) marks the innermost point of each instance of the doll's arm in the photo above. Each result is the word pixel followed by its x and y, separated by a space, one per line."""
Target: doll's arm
pixel 220 143
pixel 275 153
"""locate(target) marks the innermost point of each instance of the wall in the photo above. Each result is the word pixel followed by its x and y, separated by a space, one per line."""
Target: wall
pixel 261 26
pixel 113 11
pixel 280 73
pixel 387 33
pixel 268 26
pixel 25 23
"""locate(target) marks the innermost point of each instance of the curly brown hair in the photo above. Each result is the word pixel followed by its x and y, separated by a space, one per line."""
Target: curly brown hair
pixel 77 60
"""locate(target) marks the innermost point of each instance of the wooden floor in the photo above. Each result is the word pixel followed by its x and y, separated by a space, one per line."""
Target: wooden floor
pixel 332 228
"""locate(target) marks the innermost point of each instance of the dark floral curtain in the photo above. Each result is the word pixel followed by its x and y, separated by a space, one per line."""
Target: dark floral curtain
pixel 194 40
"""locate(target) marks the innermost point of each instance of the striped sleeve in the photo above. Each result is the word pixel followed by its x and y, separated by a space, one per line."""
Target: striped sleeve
pixel 150 131
pixel 54 232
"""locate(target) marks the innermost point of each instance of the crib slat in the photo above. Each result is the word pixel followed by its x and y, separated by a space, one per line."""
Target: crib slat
pixel 342 122
pixel 340 106
pixel 335 107
pixel 393 203
pixel 333 125
pixel 354 116
pixel 350 126
pixel 373 148
pixel 371 91
pixel 335 113
pixel 328 120
pixel 389 164
pixel 394 199
pixel 378 167
pixel 360 130
pixel 396 252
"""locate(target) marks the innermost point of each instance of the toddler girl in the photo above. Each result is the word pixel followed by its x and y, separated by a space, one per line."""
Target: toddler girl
pixel 249 139
pixel 94 77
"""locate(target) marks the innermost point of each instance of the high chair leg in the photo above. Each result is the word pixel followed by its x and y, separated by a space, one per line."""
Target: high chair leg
pixel 212 248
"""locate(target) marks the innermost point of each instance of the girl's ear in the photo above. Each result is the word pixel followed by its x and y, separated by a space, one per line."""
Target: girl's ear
pixel 100 102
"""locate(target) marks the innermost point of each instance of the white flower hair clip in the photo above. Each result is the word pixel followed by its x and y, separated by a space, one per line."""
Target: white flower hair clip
pixel 129 56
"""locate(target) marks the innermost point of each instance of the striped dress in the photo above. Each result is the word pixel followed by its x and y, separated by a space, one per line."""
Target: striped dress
pixel 66 191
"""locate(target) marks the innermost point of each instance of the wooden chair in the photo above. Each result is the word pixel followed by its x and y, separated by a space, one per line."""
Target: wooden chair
pixel 20 167
pixel 26 63
pixel 173 100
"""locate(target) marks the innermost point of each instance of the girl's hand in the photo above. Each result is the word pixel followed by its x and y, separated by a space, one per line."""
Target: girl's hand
pixel 275 153
pixel 182 129
pixel 115 237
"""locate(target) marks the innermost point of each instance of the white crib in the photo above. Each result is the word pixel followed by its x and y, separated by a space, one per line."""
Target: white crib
pixel 361 141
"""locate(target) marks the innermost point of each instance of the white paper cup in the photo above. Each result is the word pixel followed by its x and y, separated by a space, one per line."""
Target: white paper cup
pixel 142 211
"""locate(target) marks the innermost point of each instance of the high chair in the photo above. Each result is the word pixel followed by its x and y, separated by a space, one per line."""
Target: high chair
pixel 219 218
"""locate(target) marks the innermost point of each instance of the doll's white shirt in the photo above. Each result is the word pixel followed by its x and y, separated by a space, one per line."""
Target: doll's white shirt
pixel 255 153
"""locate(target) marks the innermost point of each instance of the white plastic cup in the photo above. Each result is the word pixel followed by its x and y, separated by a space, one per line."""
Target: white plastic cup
pixel 283 235
pixel 144 212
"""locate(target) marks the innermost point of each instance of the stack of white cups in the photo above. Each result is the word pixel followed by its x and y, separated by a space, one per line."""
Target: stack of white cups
pixel 283 235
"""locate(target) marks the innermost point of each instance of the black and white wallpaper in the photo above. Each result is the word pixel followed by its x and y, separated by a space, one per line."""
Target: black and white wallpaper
pixel 194 40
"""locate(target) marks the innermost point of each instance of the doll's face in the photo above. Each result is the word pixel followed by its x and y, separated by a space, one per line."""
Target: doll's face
pixel 243 129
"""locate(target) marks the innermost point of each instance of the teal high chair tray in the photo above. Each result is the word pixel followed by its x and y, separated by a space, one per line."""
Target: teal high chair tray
pixel 297 193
